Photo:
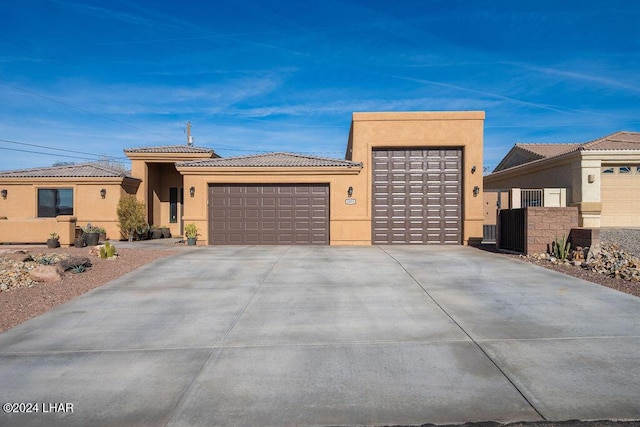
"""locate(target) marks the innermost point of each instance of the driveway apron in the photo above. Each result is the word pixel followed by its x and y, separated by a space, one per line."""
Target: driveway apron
pixel 301 335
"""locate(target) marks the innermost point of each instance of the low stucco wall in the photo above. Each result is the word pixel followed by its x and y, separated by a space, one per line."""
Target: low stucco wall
pixel 37 230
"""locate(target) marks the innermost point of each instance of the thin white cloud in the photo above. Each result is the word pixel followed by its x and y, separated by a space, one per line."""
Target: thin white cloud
pixel 102 12
pixel 486 93
pixel 599 79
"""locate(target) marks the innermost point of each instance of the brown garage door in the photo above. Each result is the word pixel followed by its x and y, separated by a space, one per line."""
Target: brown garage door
pixel 417 196
pixel 262 214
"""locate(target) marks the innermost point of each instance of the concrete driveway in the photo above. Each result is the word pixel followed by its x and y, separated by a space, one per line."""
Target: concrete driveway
pixel 329 336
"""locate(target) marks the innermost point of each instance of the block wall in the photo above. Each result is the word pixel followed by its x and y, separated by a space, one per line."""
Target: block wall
pixel 544 225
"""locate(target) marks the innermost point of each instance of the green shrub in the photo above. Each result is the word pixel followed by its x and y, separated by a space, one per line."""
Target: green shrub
pixel 190 230
pixel 131 215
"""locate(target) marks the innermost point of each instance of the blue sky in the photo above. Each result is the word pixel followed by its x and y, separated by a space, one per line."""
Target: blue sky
pixel 95 77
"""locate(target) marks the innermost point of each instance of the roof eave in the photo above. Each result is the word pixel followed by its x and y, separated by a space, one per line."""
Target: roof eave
pixel 539 164
pixel 14 180
pixel 270 170
pixel 612 155
pixel 170 157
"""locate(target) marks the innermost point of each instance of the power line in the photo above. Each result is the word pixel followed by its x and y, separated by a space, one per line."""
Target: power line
pixel 99 156
pixel 52 154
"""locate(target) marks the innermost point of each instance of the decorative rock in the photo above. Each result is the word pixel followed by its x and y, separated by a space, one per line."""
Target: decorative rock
pixel 614 262
pixel 95 250
pixel 45 273
pixel 602 258
pixel 69 263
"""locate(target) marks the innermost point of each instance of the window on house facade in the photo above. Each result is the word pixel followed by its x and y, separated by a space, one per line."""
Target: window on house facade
pixel 624 169
pixel 55 201
pixel 173 205
pixel 607 170
pixel 637 169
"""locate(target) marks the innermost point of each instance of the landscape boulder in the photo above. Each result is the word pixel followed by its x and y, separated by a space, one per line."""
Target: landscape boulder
pixel 69 263
pixel 45 273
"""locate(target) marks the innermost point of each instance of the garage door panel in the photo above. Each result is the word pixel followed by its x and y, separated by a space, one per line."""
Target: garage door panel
pixel 269 214
pixel 234 213
pixel 417 196
pixel 268 226
pixel 620 195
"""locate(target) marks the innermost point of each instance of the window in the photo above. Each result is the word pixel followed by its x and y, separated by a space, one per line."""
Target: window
pixel 624 169
pixel 607 170
pixel 173 205
pixel 55 201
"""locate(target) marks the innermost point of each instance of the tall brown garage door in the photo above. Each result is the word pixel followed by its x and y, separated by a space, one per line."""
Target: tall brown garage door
pixel 417 196
pixel 263 214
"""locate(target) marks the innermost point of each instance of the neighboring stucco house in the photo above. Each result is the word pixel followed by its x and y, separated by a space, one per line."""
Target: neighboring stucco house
pixel 602 177
pixel 406 178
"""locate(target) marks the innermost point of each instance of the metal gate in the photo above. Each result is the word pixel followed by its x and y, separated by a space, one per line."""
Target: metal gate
pixel 511 229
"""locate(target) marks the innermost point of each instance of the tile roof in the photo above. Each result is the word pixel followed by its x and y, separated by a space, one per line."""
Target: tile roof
pixel 86 170
pixel 618 141
pixel 169 149
pixel 271 160
pixel 548 150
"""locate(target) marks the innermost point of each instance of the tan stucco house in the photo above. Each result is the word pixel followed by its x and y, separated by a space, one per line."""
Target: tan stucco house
pixel 36 202
pixel 406 178
pixel 602 177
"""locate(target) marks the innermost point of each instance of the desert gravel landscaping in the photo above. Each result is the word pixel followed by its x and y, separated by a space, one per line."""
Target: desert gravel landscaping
pixel 620 245
pixel 18 304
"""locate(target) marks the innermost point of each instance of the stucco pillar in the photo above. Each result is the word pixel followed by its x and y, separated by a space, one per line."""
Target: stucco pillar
pixel 589 202
pixel 515 198
pixel 66 229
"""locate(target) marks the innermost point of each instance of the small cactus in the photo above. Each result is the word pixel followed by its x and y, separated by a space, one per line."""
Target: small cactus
pixel 107 251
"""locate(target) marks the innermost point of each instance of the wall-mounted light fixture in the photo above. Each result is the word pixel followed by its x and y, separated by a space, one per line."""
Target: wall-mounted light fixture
pixel 103 193
pixel 350 191
pixel 476 191
pixel 473 169
pixel 591 178
pixel 192 191
pixel 4 193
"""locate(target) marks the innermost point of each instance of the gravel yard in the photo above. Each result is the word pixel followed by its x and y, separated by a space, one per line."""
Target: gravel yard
pixel 626 239
pixel 20 304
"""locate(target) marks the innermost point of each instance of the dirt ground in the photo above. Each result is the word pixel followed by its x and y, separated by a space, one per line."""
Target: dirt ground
pixel 20 304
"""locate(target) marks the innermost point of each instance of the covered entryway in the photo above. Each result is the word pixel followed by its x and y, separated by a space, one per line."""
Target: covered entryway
pixel 620 196
pixel 268 214
pixel 417 196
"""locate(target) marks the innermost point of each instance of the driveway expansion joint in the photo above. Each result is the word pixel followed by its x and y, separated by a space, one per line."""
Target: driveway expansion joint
pixel 215 349
pixel 476 343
